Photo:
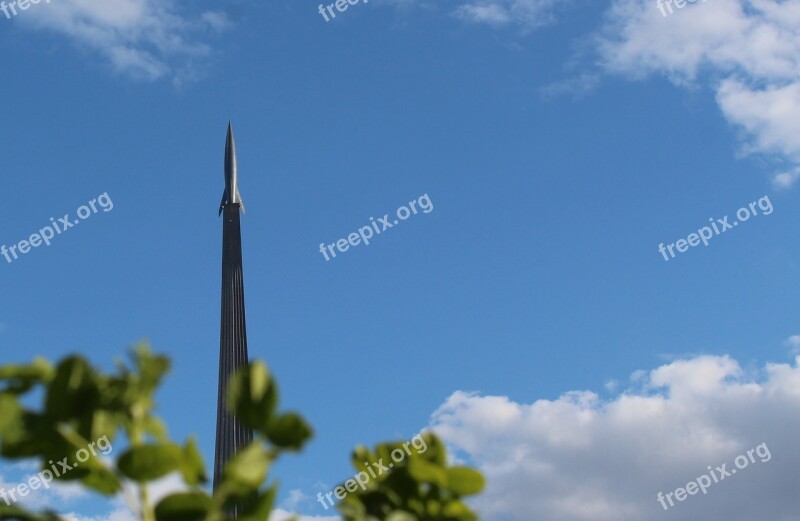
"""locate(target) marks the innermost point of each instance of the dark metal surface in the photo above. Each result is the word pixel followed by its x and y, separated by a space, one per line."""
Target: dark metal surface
pixel 231 436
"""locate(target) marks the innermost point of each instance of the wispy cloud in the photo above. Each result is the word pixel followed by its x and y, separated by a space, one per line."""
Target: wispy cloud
pixel 786 179
pixel 145 39
pixel 748 51
pixel 527 13
pixel 296 499
pixel 576 87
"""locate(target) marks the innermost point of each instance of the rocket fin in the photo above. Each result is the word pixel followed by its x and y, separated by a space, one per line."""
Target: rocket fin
pixel 224 200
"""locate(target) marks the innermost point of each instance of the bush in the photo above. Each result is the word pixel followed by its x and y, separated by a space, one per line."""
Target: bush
pixel 82 407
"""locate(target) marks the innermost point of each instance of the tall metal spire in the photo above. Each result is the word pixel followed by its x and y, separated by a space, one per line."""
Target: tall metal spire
pixel 231 436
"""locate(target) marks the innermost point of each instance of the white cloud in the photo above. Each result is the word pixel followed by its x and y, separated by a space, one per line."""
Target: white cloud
pixel 296 498
pixel 794 342
pixel 68 491
pixel 491 13
pixel 576 87
pixel 611 385
pixel 145 39
pixel 582 458
pixel 528 13
pixel 771 116
pixel 786 179
pixel 55 493
pixel 283 515
pixel 748 51
pixel 217 20
pixel 119 514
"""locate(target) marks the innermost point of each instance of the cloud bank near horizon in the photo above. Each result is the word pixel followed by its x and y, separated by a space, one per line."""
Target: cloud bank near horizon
pixel 583 458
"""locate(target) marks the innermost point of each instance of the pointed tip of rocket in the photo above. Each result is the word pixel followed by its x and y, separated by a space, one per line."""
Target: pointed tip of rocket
pixel 231 194
pixel 230 151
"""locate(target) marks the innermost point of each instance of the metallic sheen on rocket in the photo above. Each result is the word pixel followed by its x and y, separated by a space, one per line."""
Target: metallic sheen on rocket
pixel 231 194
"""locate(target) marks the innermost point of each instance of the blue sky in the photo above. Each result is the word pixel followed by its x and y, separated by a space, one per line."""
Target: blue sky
pixel 559 142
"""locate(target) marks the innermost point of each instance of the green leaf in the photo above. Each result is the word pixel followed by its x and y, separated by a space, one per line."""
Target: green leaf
pixel 73 443
pixel 400 485
pixel 150 462
pixel 71 437
pixel 247 470
pixel 398 515
pixel 351 507
pixel 362 458
pixel 260 508
pixel 102 480
pixel 436 452
pixel 253 396
pixel 192 466
pixel 289 431
pixel 459 510
pixel 14 512
pixel 187 506
pixel 40 369
pixel 151 368
pixel 156 428
pixel 104 424
pixel 10 413
pixel 465 481
pixel 72 392
pixel 32 436
pixel 427 472
pixel 384 452
pixel 432 506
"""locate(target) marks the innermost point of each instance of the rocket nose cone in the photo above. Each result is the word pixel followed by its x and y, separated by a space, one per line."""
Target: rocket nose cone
pixel 231 195
pixel 229 141
pixel 230 150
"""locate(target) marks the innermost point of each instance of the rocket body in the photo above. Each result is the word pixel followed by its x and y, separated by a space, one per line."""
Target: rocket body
pixel 231 194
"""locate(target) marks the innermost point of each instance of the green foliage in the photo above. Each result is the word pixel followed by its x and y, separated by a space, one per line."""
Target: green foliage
pixel 150 462
pixel 413 485
pixel 81 406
